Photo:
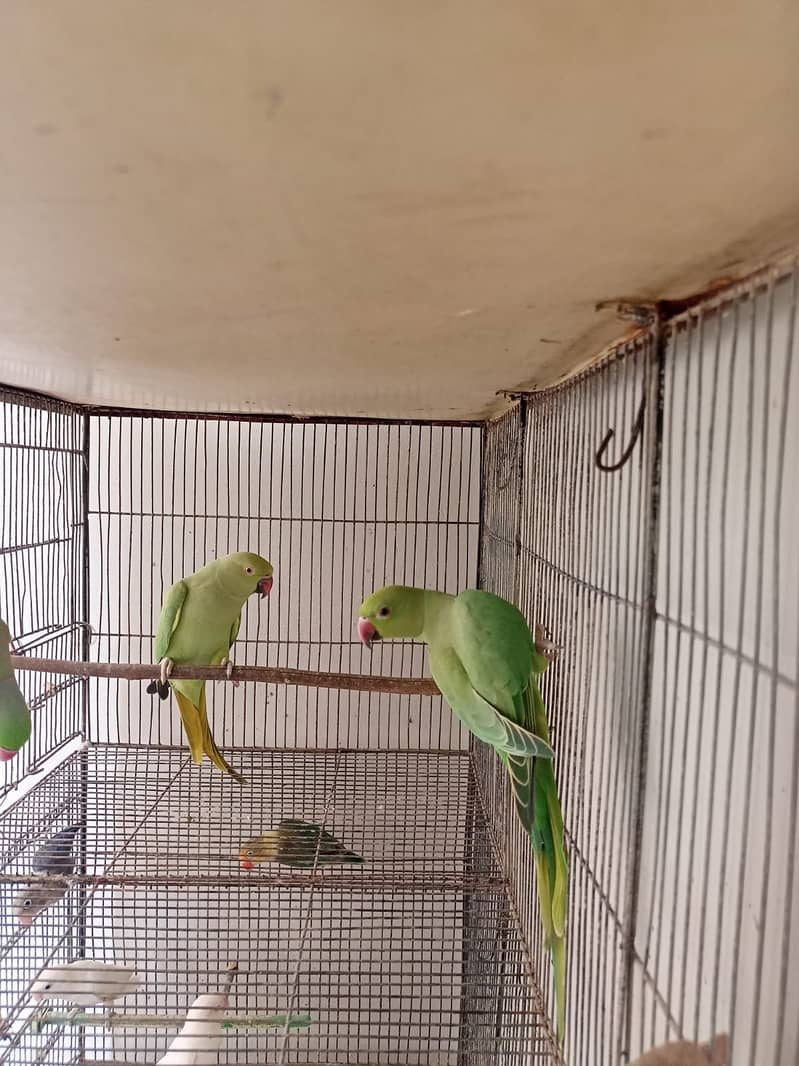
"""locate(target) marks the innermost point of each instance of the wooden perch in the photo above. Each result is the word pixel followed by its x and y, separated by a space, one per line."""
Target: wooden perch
pixel 114 1020
pixel 274 675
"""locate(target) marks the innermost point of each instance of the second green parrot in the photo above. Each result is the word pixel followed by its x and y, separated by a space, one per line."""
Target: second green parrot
pixel 484 660
pixel 200 619
pixel 15 718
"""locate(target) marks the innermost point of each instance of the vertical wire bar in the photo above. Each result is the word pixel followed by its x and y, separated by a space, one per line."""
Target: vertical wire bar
pixel 655 389
pixel 790 858
pixel 756 647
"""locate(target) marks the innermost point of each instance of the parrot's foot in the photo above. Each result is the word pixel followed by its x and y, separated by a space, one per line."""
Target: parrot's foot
pixel 228 665
pixel 161 686
pixel 544 644
pixel 167 666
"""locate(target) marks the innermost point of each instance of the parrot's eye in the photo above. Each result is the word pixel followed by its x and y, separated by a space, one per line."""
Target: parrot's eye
pixel 27 903
pixel 384 612
pixel 248 570
pixel 47 986
pixel 249 853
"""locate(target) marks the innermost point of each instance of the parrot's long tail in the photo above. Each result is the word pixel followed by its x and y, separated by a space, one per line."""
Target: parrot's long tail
pixel 195 722
pixel 536 795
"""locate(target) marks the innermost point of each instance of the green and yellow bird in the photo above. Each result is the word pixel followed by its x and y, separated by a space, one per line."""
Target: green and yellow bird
pixel 200 619
pixel 484 660
pixel 295 843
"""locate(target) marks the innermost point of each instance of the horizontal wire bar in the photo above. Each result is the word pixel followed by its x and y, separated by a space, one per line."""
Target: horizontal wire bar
pixel 115 1020
pixel 273 675
pixel 12 549
pixel 298 519
pixel 327 879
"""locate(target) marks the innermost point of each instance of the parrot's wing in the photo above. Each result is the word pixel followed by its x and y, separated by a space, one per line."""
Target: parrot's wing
pixel 495 647
pixel 170 617
pixel 480 716
pixel 234 632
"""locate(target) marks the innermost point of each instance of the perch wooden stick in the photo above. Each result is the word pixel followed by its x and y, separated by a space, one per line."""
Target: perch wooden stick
pixel 123 1021
pixel 275 675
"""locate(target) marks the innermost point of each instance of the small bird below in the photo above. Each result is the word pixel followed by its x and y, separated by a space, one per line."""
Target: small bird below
pixel 715 1052
pixel 294 843
pixel 84 982
pixel 53 858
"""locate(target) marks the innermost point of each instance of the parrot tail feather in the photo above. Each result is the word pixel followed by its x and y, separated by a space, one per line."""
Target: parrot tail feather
pixel 215 755
pixel 192 716
pixel 557 949
pixel 198 733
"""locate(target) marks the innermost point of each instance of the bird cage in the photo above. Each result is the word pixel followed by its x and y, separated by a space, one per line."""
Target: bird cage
pixel 643 511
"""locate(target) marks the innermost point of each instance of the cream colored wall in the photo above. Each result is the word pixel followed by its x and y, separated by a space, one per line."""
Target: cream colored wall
pixel 366 209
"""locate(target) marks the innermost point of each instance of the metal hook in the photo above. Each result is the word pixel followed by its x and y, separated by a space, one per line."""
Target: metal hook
pixel 638 425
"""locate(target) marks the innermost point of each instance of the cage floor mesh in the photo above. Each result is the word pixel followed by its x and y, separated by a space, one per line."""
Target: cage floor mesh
pixel 411 957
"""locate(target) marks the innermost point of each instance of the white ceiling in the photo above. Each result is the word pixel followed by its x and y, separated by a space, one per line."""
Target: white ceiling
pixel 373 208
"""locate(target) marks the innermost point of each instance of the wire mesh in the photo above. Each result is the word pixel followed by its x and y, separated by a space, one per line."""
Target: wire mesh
pixel 717 936
pixel 339 509
pixel 385 972
pixel 673 585
pixel 567 543
pixel 41 546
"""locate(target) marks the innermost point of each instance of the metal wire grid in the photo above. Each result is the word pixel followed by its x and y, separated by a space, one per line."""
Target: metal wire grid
pixel 339 509
pixel 673 585
pixel 41 548
pixel 409 958
pixel 568 545
pixel 718 921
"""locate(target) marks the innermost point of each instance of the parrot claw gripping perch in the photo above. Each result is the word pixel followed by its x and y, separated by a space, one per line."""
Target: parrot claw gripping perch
pixel 544 644
pixel 167 667
pixel 161 686
pixel 228 665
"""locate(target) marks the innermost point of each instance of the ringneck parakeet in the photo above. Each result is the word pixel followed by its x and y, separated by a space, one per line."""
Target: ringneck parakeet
pixel 484 660
pixel 54 858
pixel 199 622
pixel 202 1035
pixel 294 843
pixel 85 982
pixel 15 718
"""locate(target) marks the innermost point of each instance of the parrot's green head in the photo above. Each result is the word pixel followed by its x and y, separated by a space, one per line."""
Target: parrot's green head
pixel 262 849
pixel 244 573
pixel 5 636
pixel 395 611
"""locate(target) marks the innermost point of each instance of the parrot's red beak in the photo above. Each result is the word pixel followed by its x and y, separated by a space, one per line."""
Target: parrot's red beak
pixel 247 865
pixel 367 632
pixel 264 586
pixel 36 997
pixel 25 919
pixel 5 754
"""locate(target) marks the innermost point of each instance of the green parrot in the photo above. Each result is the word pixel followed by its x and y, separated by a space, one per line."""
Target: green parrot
pixel 484 660
pixel 15 718
pixel 294 843
pixel 200 619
